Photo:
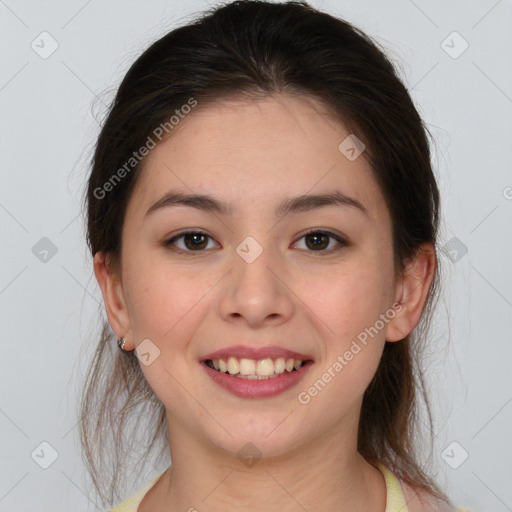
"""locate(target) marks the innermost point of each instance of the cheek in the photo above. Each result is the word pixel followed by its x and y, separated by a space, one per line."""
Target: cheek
pixel 353 299
pixel 166 306
pixel 164 299
pixel 351 307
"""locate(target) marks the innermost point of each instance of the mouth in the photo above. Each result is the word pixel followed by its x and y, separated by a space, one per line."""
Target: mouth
pixel 253 379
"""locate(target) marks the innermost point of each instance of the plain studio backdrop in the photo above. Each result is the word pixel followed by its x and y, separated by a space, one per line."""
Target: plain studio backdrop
pixel 57 57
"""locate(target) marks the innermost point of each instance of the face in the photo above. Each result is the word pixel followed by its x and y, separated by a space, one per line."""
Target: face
pixel 255 277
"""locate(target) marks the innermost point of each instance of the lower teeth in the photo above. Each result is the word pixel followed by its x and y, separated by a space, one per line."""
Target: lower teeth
pixel 256 377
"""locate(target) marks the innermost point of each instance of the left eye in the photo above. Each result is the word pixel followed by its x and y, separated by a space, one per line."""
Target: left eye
pixel 318 240
pixel 195 241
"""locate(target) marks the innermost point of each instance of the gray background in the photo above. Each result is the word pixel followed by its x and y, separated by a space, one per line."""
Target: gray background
pixel 50 302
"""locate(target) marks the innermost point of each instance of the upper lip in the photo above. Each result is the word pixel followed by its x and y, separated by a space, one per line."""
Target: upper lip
pixel 244 352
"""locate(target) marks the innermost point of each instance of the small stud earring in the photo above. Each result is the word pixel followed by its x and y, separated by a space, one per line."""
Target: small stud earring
pixel 120 343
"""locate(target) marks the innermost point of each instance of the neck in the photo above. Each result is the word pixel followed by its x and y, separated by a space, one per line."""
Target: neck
pixel 327 474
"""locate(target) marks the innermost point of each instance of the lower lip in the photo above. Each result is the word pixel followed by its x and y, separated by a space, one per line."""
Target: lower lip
pixel 257 388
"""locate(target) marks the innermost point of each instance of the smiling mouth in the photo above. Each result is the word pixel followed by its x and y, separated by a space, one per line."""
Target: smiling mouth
pixel 251 369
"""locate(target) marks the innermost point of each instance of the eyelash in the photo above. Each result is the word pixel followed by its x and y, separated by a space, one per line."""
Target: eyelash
pixel 342 243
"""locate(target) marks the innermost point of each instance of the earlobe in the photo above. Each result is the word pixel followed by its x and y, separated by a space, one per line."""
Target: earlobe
pixel 113 298
pixel 412 293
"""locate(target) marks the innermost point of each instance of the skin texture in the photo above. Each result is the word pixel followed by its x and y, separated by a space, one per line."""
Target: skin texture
pixel 253 154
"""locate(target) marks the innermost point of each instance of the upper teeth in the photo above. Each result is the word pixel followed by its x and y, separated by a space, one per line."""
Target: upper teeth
pixel 263 367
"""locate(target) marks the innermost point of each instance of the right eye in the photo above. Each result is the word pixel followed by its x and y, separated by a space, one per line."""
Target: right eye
pixel 194 241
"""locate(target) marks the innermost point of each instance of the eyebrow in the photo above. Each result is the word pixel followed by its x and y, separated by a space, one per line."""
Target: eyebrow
pixel 298 204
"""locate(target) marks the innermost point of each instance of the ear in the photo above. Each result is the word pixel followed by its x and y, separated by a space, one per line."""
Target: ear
pixel 113 297
pixel 412 292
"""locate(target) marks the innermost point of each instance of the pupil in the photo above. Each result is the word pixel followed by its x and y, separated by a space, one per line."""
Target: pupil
pixel 194 237
pixel 317 236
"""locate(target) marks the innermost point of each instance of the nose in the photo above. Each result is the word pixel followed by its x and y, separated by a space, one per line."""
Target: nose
pixel 257 293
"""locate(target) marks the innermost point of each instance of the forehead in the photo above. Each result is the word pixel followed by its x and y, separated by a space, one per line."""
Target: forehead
pixel 256 152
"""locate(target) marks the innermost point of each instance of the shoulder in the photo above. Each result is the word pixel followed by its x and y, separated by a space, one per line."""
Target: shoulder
pixel 132 503
pixel 422 501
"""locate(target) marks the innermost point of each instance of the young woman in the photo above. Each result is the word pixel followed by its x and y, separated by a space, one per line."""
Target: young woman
pixel 263 218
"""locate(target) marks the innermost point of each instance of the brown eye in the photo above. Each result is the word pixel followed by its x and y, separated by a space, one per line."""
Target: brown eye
pixel 318 241
pixel 194 241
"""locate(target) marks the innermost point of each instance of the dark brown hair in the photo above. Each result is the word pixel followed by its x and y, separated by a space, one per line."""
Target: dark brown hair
pixel 253 49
